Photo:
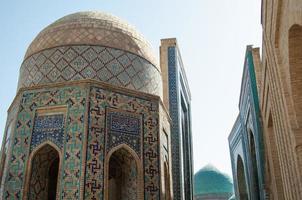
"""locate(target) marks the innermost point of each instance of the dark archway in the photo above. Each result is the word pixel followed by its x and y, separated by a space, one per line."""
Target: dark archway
pixel 53 181
pixel 242 190
pixel 274 159
pixel 295 68
pixel 254 165
pixel 43 178
pixel 123 176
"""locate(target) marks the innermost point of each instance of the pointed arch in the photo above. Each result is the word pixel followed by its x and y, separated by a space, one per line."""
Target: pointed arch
pixel 295 70
pixel 57 157
pixel 241 180
pixel 139 168
pixel 295 100
pixel 254 163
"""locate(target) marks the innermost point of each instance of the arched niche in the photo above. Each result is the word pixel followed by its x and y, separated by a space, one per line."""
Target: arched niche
pixel 124 174
pixel 43 173
pixel 254 164
pixel 295 69
pixel 241 180
pixel 274 163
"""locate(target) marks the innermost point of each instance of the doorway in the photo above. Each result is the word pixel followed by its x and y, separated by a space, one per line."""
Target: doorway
pixel 43 179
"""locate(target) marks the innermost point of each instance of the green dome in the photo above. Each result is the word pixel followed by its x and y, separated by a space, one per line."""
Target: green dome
pixel 210 180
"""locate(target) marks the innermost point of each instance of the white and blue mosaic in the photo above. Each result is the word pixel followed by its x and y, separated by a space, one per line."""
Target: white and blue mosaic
pixel 124 127
pixel 48 127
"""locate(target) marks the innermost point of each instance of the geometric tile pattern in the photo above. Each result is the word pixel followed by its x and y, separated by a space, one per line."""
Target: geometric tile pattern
pixel 174 113
pixel 92 28
pixel 117 67
pixel 83 46
pixel 72 97
pixel 179 109
pixel 10 123
pixel 143 123
pixel 48 127
pixel 124 128
pixel 124 123
pixel 96 152
pixel 94 184
pixel 245 139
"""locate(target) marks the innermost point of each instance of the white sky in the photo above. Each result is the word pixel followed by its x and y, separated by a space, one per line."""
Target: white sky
pixel 212 37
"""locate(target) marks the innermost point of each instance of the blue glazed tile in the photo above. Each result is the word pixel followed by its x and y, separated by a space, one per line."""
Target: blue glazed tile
pixel 48 127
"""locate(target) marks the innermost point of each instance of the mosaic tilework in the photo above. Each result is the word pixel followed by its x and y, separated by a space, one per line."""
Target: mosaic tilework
pixel 124 123
pixel 74 98
pixel 94 184
pixel 48 127
pixel 100 99
pixel 174 113
pixel 92 28
pixel 248 127
pixel 11 117
pixel 181 142
pixel 109 65
pixel 124 128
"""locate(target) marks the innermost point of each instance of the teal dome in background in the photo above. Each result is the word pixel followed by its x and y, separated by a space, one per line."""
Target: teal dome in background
pixel 209 181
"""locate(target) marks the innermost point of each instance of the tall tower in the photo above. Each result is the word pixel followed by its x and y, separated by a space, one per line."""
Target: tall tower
pixel 177 98
pixel 88 120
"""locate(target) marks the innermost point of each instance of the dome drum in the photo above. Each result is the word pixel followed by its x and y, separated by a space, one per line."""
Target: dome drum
pixel 78 62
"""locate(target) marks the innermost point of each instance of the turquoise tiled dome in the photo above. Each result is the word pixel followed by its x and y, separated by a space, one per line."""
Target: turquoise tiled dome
pixel 210 180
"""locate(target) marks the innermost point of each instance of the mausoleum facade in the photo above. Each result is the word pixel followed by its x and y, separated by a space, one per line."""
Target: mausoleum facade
pixel 89 119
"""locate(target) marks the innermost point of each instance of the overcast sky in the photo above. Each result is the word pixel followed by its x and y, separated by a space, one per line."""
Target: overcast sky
pixel 212 36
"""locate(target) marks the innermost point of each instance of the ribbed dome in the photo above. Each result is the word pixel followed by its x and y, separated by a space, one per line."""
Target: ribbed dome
pixel 210 180
pixel 91 45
